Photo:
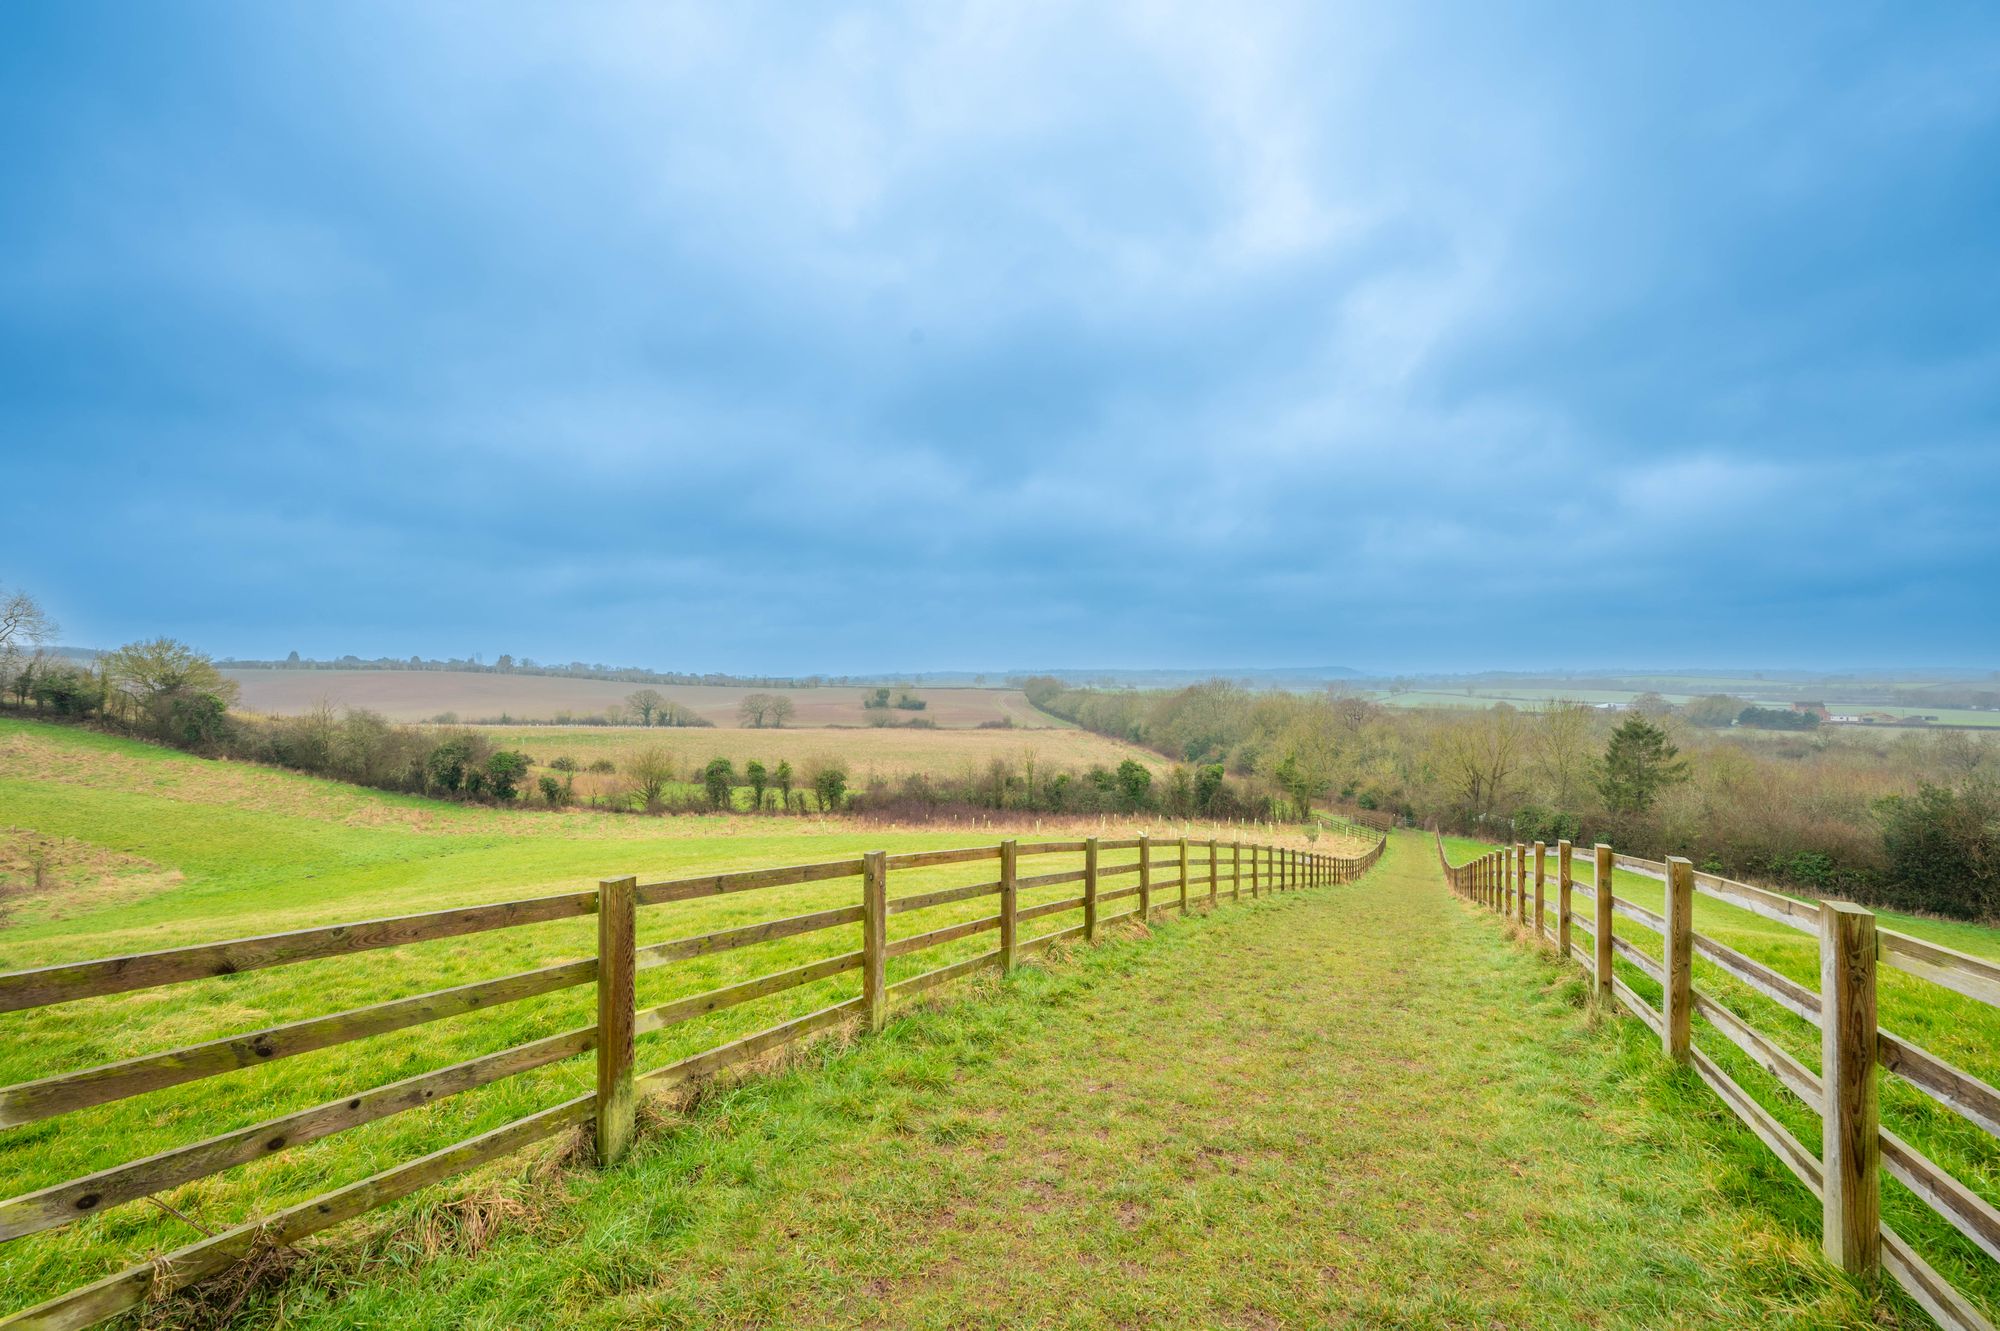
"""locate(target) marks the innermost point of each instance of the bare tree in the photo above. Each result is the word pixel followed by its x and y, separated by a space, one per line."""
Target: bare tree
pixel 758 710
pixel 644 702
pixel 1478 756
pixel 24 626
pixel 647 775
pixel 24 630
pixel 1562 748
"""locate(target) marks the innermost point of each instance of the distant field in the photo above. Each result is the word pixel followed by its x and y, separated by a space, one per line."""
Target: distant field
pixel 1535 697
pixel 887 753
pixel 419 695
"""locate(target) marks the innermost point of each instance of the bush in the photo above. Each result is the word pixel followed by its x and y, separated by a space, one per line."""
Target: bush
pixel 718 779
pixel 564 763
pixel 504 771
pixel 1944 851
pixel 603 766
pixel 65 690
pixel 1135 784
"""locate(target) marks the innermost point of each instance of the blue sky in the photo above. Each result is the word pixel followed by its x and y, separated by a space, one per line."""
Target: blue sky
pixel 821 338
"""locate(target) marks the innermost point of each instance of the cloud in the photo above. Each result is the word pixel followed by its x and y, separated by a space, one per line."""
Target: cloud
pixel 965 334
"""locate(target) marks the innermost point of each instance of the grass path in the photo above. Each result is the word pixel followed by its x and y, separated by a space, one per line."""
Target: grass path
pixel 1356 1106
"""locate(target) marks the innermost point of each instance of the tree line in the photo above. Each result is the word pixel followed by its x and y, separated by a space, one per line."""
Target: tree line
pixel 1906 821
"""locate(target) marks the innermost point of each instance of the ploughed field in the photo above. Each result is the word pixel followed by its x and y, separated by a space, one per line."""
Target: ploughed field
pixel 110 847
pixel 420 695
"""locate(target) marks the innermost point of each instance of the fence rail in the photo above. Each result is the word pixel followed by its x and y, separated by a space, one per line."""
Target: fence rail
pixel 1857 1151
pixel 1173 874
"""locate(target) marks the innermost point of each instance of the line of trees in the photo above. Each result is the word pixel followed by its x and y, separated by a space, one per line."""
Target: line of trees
pixel 1906 821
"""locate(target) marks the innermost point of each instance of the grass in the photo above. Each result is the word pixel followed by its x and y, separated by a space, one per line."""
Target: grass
pixel 1355 1107
pixel 1961 1030
pixel 146 849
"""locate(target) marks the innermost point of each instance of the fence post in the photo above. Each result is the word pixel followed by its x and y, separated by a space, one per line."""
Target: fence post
pixel 1677 996
pixel 1601 894
pixel 1008 910
pixel 1541 877
pixel 1520 882
pixel 1236 871
pixel 1184 877
pixel 875 936
pixel 1563 884
pixel 1211 874
pixel 1851 1151
pixel 1256 852
pixel 1145 879
pixel 1090 890
pixel 617 909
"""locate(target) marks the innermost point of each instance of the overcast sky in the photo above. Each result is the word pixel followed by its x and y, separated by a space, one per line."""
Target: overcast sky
pixel 825 338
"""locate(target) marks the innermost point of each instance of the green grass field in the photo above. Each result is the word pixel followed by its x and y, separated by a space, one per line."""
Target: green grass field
pixel 1351 1107
pixel 1963 1031
pixel 145 849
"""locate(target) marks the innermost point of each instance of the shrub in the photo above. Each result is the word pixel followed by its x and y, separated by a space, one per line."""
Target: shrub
pixel 1944 851
pixel 718 779
pixel 504 771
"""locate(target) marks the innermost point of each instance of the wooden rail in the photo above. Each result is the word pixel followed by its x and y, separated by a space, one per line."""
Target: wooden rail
pixel 1194 872
pixel 1857 1151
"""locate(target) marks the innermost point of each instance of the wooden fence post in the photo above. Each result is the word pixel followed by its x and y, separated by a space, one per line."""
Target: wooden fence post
pixel 1256 857
pixel 617 1104
pixel 1009 924
pixel 1211 874
pixel 1541 878
pixel 1601 894
pixel 1184 876
pixel 1145 879
pixel 1236 871
pixel 1564 881
pixel 1090 890
pixel 1520 882
pixel 1851 1151
pixel 875 936
pixel 1677 995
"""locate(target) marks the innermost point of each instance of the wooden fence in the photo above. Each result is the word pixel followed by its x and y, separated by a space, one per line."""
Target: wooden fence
pixel 1847 1174
pixel 1167 875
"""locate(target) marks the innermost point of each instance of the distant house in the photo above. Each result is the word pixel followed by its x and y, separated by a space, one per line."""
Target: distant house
pixel 1818 709
pixel 1839 719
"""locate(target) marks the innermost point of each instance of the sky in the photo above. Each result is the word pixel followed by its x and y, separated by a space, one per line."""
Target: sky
pixel 842 338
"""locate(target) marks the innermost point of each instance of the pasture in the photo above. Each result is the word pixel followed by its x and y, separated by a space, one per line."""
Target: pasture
pixel 420 695
pixel 1354 1106
pixel 1764 693
pixel 137 848
pixel 871 754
